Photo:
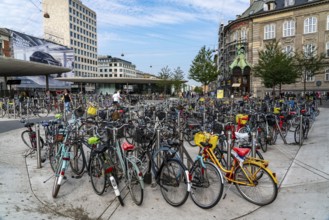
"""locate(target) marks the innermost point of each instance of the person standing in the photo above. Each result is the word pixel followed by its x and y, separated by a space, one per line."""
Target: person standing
pixel 67 100
pixel 116 97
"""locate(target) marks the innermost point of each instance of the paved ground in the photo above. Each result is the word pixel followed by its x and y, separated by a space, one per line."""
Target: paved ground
pixel 303 174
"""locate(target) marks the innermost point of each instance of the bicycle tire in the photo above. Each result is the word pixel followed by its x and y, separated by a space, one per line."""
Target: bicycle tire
pixel 262 191
pixel 42 112
pixel 77 163
pixel 207 185
pixel 262 139
pixel 173 183
pixel 189 137
pixel 134 184
pixel 97 174
pixel 25 136
pixel 54 156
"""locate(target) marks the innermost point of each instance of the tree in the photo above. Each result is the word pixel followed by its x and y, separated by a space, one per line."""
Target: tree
pixel 309 63
pixel 198 90
pixel 165 75
pixel 203 68
pixel 177 78
pixel 275 67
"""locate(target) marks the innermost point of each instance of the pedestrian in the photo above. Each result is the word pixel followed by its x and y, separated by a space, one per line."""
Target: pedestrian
pixel 67 100
pixel 116 98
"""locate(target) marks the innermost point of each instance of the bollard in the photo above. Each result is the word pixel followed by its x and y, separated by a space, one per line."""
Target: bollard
pixel 37 132
pixel 229 142
pixel 253 146
pixel 129 109
pixel 14 106
pixel 27 107
pixel 301 131
pixel 204 119
pixel 8 106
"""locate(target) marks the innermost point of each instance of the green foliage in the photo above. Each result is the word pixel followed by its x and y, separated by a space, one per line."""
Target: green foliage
pixel 177 78
pixel 309 64
pixel 198 90
pixel 275 67
pixel 165 75
pixel 203 68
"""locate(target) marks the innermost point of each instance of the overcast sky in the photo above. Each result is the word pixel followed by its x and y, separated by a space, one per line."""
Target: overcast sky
pixel 151 34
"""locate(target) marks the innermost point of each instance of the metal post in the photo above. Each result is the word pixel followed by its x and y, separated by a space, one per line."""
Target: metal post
pixel 37 132
pixel 253 146
pixel 301 130
pixel 229 142
pixel 158 146
pixel 14 106
pixel 27 107
pixel 8 107
pixel 129 109
pixel 204 119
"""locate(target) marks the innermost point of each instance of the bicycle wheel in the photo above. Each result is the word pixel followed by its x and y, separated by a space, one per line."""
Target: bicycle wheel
pixel 189 137
pixel 207 185
pixel 54 156
pixel 134 183
pixel 255 184
pixel 173 183
pixel 273 132
pixel 97 174
pixel 262 139
pixel 41 112
pixel 77 163
pixel 31 142
pixel 297 134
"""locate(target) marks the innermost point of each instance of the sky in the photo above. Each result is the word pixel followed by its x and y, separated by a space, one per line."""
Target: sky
pixel 152 34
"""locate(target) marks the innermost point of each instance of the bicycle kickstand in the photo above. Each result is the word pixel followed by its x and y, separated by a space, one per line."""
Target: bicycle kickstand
pixel 231 184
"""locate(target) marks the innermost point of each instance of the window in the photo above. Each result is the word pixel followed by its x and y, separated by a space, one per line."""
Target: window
pixel 269 31
pixel 327 49
pixel 310 25
pixel 326 75
pixel 289 28
pixel 289 3
pixel 328 22
pixel 288 50
pixel 309 50
pixel 310 78
pixel 243 34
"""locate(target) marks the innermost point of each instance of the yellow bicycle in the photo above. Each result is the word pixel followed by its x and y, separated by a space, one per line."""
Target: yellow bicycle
pixel 251 176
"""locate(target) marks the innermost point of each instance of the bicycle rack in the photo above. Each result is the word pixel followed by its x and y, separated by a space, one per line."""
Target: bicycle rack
pixel 37 132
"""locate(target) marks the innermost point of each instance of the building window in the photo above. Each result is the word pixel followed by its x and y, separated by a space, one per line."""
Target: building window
pixel 243 34
pixel 289 3
pixel 327 49
pixel 309 50
pixel 269 31
pixel 310 78
pixel 289 28
pixel 289 50
pixel 326 75
pixel 328 22
pixel 310 25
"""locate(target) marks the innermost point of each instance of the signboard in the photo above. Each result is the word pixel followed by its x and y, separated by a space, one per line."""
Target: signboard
pixel 29 48
pixel 14 82
pixel 220 94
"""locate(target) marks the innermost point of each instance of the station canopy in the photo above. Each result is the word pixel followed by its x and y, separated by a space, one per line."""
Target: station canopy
pixel 110 80
pixel 15 67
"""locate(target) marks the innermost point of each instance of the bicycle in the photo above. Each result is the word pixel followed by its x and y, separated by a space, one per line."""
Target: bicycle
pixel 126 163
pixel 251 176
pixel 29 136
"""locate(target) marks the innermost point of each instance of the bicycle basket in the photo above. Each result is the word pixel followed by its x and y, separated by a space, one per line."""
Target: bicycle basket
pixel 270 120
pixel 115 116
pixel 242 119
pixel 92 110
pixel 59 137
pixel 205 137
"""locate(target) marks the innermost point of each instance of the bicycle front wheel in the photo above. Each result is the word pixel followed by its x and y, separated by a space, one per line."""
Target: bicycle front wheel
pixel 135 184
pixel 173 183
pixel 207 185
pixel 54 155
pixel 77 163
pixel 97 174
pixel 256 184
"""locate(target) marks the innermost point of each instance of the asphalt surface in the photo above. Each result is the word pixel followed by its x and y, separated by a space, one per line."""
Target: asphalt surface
pixel 302 172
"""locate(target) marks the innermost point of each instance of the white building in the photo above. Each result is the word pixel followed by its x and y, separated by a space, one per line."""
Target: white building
pixel 113 67
pixel 72 24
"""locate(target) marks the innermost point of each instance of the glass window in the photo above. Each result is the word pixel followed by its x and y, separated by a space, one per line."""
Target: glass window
pixel 310 78
pixel 327 49
pixel 289 3
pixel 288 50
pixel 328 22
pixel 309 50
pixel 243 34
pixel 326 75
pixel 289 28
pixel 269 31
pixel 310 25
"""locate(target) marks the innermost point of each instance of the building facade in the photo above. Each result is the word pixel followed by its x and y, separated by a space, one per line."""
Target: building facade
pixel 5 50
pixel 115 67
pixel 72 24
pixel 298 25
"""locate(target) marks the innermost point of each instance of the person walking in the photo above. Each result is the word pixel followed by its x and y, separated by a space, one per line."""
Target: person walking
pixel 67 101
pixel 116 98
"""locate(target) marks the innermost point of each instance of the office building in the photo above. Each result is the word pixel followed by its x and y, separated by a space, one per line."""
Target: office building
pixel 115 67
pixel 72 24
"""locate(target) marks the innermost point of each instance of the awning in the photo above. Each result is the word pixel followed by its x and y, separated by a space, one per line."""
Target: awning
pixel 236 84
pixel 15 67
pixel 111 80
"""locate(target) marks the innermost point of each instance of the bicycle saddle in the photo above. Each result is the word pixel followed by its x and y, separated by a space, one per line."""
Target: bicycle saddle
pixel 28 124
pixel 127 147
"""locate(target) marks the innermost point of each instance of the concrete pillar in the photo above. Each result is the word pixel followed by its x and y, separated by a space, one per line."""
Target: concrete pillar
pixel 47 82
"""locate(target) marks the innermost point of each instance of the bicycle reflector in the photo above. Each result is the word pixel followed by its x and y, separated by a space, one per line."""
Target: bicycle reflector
pixel 93 140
